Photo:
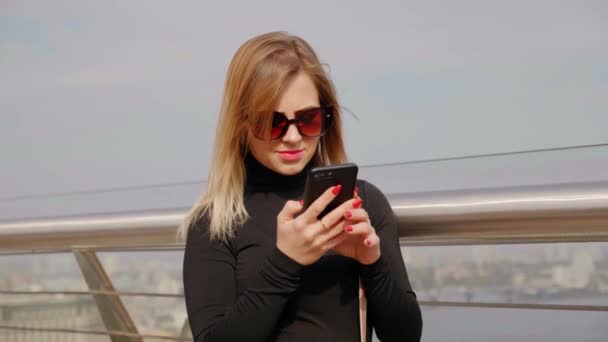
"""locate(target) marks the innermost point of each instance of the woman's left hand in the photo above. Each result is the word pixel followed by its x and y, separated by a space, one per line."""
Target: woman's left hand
pixel 362 243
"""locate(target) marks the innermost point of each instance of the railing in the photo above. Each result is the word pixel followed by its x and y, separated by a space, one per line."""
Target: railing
pixel 488 216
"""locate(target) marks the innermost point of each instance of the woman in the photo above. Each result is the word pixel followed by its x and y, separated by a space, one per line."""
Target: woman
pixel 256 266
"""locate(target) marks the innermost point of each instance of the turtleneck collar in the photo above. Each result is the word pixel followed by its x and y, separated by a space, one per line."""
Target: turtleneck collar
pixel 259 178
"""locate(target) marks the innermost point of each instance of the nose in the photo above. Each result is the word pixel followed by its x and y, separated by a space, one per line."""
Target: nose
pixel 292 135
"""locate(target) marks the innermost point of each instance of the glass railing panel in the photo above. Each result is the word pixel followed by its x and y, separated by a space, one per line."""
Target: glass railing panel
pixel 555 273
pixel 506 325
pixel 69 312
pixel 7 335
pixel 158 316
pixel 144 271
pixel 41 272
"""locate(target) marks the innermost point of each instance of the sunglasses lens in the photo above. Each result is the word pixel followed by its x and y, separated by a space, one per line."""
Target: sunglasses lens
pixel 278 124
pixel 276 127
pixel 311 122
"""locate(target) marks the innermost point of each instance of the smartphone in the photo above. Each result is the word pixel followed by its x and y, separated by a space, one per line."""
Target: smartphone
pixel 321 178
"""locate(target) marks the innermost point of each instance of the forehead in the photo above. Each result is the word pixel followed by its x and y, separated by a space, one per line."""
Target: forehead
pixel 299 93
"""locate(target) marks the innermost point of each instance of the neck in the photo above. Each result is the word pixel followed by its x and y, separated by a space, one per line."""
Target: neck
pixel 259 178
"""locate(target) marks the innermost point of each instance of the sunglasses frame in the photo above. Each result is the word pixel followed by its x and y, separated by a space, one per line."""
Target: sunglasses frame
pixel 327 117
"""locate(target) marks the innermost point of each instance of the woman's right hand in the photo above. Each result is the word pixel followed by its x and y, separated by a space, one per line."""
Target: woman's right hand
pixel 304 238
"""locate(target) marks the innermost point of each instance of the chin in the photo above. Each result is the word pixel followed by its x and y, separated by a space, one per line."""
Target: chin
pixel 290 169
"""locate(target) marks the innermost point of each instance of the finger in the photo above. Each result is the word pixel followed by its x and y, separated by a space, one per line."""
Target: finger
pixel 361 228
pixel 333 242
pixel 317 207
pixel 336 215
pixel 356 215
pixel 372 240
pixel 289 211
pixel 331 232
pixel 356 193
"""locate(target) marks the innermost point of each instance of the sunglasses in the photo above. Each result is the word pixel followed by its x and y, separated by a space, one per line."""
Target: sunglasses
pixel 312 122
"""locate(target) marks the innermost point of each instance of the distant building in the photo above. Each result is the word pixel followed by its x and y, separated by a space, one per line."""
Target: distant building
pixel 78 314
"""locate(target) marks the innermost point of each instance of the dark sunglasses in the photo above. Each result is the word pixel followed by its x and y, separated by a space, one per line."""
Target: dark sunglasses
pixel 312 122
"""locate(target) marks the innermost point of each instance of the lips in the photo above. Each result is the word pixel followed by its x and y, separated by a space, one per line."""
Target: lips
pixel 290 151
pixel 290 154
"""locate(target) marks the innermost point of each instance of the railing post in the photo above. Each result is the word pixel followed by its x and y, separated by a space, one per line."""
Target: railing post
pixel 113 312
pixel 185 329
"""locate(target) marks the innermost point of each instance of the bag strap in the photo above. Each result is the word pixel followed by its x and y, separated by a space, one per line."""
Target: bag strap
pixel 362 313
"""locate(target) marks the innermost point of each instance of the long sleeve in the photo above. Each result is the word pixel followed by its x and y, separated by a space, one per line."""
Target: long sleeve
pixel 392 306
pixel 215 311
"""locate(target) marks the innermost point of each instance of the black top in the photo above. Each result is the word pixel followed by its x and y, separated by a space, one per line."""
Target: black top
pixel 246 289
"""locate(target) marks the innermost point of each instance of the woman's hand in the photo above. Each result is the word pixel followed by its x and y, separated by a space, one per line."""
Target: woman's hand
pixel 305 238
pixel 362 243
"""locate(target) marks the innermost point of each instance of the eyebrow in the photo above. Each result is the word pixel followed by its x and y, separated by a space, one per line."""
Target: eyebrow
pixel 301 110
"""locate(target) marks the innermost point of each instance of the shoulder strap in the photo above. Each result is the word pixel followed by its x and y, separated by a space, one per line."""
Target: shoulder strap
pixel 362 313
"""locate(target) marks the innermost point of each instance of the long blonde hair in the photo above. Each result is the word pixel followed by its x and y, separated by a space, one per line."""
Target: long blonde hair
pixel 258 72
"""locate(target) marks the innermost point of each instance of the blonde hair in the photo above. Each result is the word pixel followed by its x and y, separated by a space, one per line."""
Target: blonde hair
pixel 258 72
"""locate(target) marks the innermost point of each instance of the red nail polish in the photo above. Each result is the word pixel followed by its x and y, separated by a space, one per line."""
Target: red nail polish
pixel 348 229
pixel 336 189
pixel 348 214
pixel 357 203
pixel 301 202
pixel 368 243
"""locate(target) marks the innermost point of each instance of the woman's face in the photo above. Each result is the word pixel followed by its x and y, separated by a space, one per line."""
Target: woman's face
pixel 289 154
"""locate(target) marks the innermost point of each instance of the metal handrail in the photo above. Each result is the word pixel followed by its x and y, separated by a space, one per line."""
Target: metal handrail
pixel 576 212
pixel 548 213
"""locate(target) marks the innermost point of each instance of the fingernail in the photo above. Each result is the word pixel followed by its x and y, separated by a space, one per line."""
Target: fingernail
pixel 336 189
pixel 301 202
pixel 357 190
pixel 348 214
pixel 357 203
pixel 348 229
pixel 368 242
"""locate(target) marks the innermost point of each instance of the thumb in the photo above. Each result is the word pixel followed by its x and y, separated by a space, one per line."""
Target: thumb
pixel 289 211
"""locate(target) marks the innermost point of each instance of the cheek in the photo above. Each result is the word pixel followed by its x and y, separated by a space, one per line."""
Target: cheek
pixel 260 148
pixel 313 144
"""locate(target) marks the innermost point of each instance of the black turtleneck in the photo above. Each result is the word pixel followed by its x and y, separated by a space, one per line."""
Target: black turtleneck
pixel 246 289
pixel 262 179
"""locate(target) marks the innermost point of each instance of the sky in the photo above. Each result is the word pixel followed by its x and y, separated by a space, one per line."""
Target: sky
pixel 98 95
